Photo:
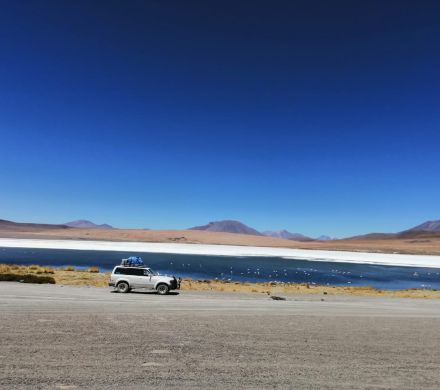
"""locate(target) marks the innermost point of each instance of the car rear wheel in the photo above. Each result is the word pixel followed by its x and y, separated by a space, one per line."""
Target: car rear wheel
pixel 123 287
pixel 162 289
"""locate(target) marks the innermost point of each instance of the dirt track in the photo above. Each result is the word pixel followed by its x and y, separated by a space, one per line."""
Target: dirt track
pixel 79 337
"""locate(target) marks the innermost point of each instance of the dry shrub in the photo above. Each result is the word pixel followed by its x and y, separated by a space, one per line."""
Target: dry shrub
pixel 69 268
pixel 4 268
pixel 93 269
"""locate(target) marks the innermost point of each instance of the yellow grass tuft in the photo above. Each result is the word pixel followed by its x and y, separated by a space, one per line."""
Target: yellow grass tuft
pixel 24 274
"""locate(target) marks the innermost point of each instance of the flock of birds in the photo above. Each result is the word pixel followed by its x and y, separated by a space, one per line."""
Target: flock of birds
pixel 309 275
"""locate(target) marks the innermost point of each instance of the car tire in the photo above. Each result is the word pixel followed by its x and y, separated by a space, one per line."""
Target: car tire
pixel 123 287
pixel 162 289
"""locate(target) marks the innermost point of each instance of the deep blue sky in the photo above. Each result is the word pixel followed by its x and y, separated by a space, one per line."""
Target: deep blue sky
pixel 320 117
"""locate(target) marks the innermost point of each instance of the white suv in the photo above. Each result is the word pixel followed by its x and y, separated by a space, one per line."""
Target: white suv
pixel 125 279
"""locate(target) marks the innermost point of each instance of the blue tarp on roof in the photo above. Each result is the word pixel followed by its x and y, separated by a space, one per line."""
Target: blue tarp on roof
pixel 135 261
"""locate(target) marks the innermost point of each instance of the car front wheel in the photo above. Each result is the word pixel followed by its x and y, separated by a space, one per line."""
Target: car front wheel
pixel 123 287
pixel 162 289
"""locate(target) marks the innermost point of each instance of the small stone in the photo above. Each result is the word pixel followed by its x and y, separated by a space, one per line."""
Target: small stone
pixel 275 298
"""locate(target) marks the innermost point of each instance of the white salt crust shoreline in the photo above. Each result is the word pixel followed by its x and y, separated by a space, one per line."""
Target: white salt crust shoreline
pixel 229 250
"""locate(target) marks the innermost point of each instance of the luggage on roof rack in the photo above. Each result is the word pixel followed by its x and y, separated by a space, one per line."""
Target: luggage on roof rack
pixel 132 261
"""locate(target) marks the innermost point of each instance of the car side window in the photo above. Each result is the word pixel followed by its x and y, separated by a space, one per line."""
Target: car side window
pixel 146 273
pixel 130 271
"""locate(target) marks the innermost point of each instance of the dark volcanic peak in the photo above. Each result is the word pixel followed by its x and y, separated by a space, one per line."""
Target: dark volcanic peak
pixel 428 226
pixel 85 224
pixel 286 235
pixel 228 226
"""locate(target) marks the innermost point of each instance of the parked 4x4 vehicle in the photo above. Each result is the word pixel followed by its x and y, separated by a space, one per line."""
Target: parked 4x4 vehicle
pixel 125 279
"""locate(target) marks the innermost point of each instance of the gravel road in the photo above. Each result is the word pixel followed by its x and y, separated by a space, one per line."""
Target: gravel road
pixel 55 337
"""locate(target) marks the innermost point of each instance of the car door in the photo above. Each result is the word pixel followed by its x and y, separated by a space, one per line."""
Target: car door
pixel 135 277
pixel 147 281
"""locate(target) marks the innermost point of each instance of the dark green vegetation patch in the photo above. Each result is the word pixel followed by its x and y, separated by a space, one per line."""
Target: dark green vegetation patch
pixel 27 278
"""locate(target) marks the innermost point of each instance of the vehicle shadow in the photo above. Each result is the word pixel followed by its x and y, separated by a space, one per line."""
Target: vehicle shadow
pixel 145 292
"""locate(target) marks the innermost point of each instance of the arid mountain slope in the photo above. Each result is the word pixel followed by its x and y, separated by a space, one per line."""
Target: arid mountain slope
pixel 428 226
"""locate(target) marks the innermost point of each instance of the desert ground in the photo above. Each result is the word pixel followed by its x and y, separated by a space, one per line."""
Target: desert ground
pixel 90 338
pixel 417 243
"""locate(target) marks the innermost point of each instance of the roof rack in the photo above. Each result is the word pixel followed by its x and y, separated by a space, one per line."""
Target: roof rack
pixel 133 261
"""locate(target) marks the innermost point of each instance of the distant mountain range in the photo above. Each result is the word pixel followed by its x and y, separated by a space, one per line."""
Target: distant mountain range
pixel 24 226
pixel 286 235
pixel 231 226
pixel 85 224
pixel 426 229
pixel 325 238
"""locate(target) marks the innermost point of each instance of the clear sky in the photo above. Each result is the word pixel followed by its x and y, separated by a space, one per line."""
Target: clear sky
pixel 320 117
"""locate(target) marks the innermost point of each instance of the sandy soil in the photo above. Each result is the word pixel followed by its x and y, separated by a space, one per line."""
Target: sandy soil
pixel 88 338
pixel 415 245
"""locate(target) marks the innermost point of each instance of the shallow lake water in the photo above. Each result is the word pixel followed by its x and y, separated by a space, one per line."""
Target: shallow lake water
pixel 252 269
